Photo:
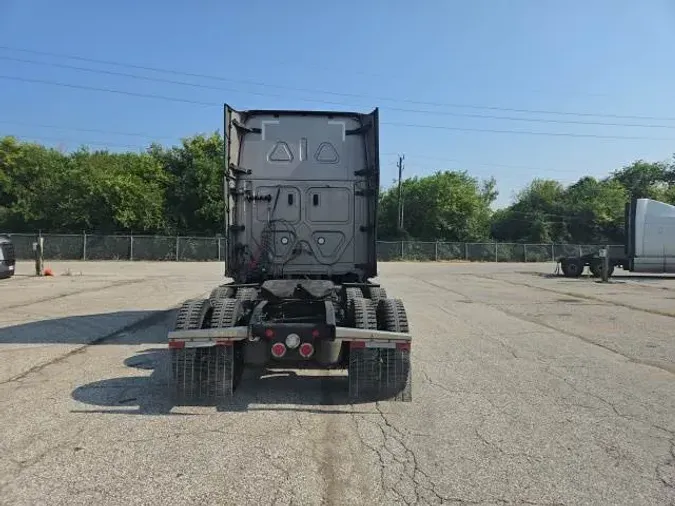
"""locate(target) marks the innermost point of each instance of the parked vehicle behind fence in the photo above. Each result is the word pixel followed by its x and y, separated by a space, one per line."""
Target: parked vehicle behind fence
pixel 7 257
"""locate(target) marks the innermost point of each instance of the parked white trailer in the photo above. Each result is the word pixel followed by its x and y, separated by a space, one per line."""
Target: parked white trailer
pixel 649 247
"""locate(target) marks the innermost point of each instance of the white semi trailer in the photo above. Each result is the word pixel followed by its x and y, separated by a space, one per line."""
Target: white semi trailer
pixel 649 246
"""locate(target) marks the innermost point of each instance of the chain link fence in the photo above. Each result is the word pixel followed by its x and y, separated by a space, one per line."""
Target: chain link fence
pixel 181 248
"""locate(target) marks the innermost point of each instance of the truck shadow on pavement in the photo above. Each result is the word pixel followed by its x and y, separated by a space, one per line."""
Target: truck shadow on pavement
pixel 104 328
pixel 287 390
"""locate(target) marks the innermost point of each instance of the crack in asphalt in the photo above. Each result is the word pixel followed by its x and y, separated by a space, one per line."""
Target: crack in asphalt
pixel 408 468
pixel 501 343
pixel 580 296
pixel 115 284
pixel 664 472
pixel 535 321
pixel 23 465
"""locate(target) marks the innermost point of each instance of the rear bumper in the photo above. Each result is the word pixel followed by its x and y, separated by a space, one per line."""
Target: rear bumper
pixel 229 335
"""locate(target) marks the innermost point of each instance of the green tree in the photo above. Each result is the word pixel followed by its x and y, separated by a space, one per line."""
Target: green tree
pixel 31 191
pixel 644 179
pixel 194 197
pixel 447 205
pixel 535 216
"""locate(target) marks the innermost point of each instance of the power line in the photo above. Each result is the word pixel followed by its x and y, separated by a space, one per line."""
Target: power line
pixel 484 164
pixel 88 130
pixel 405 125
pixel 397 109
pixel 343 94
pixel 246 81
pixel 109 90
pixel 527 132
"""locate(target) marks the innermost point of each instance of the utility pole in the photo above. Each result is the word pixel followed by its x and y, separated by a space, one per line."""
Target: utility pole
pixel 400 192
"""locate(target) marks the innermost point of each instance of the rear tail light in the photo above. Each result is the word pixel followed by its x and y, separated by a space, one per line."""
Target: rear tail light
pixel 278 350
pixel 315 333
pixel 306 350
pixel 269 333
pixel 176 344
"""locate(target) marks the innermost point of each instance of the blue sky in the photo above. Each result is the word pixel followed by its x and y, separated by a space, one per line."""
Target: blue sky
pixel 452 60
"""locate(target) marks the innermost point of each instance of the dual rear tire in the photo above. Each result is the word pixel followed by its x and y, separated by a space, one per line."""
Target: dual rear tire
pixel 212 372
pixel 380 373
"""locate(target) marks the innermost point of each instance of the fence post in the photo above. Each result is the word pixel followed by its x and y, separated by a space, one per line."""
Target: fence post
pixel 39 255
pixel 436 250
pixel 524 252
pixel 177 246
pixel 401 250
pixel 84 245
pixel 552 252
pixel 466 251
pixel 496 259
pixel 218 242
pixel 131 246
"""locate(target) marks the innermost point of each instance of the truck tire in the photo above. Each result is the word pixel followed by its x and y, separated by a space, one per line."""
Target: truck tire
pixel 596 269
pixel 226 313
pixel 392 315
pixel 225 364
pixel 363 369
pixel 352 293
pixel 365 313
pixel 572 267
pixel 192 314
pixel 186 363
pixel 221 292
pixel 377 293
pixel 395 370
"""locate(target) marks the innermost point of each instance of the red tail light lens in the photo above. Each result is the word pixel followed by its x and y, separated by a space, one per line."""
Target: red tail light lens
pixel 315 333
pixel 269 333
pixel 306 350
pixel 278 350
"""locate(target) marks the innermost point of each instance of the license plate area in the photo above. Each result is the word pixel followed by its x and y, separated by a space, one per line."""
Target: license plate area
pixel 308 332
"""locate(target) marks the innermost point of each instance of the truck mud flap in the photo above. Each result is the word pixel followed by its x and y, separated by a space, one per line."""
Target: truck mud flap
pixel 377 373
pixel 204 374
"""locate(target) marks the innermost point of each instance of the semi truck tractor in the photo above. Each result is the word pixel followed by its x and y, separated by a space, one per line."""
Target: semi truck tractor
pixel 649 247
pixel 300 219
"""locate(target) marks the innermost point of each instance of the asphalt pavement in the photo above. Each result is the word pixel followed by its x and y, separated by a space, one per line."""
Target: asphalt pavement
pixel 527 389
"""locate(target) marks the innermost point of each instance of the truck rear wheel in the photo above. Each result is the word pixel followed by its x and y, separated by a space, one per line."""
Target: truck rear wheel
pixel 395 380
pixel 184 380
pixel 363 370
pixel 221 292
pixel 352 293
pixel 377 293
pixel 225 365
